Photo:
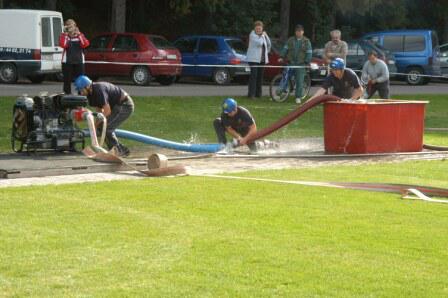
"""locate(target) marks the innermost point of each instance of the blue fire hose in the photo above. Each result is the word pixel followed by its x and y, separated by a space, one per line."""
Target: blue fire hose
pixel 138 137
pixel 205 148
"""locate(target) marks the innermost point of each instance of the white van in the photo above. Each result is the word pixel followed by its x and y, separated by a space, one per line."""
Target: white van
pixel 29 42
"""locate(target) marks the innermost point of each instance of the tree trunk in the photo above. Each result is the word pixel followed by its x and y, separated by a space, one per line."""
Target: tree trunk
pixel 118 17
pixel 50 4
pixel 284 19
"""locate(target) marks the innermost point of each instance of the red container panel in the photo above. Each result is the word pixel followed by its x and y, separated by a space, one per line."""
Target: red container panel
pixel 383 126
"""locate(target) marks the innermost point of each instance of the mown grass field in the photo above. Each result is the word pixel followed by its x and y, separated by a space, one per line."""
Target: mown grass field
pixel 190 118
pixel 197 236
pixel 212 237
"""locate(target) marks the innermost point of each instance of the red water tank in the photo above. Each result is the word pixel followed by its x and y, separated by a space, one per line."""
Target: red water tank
pixel 381 126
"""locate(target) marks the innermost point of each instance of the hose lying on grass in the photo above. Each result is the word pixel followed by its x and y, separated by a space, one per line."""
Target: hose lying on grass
pixel 157 163
pixel 403 189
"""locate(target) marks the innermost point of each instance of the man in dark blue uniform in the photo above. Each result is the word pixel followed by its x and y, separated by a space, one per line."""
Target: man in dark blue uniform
pixel 237 121
pixel 113 102
pixel 344 81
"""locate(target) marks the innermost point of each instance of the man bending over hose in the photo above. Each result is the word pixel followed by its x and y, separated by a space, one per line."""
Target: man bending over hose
pixel 238 122
pixel 344 82
pixel 115 104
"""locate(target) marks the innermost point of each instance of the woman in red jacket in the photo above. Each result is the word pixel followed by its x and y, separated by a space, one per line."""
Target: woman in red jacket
pixel 73 42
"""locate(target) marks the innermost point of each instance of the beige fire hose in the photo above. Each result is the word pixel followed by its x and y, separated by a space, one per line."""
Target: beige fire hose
pixel 157 163
pixel 92 129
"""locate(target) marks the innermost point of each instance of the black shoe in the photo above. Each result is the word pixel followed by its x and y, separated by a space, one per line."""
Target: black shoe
pixel 123 151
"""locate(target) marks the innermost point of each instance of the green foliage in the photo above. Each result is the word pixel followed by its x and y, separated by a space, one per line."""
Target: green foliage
pixel 174 18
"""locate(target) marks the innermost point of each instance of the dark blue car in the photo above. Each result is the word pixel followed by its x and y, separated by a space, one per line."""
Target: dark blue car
pixel 416 52
pixel 213 55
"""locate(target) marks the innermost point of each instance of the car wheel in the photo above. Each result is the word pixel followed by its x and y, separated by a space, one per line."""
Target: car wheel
pixel 221 76
pixel 140 76
pixel 8 73
pixel 36 79
pixel 166 80
pixel 414 76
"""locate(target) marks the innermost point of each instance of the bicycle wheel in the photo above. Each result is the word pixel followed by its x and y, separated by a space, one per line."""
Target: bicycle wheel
pixel 306 85
pixel 277 94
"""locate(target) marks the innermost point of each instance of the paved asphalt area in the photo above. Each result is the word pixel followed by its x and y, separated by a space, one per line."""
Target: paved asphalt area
pixel 196 88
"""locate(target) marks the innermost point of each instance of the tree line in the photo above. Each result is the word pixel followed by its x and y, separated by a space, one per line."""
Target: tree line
pixel 173 18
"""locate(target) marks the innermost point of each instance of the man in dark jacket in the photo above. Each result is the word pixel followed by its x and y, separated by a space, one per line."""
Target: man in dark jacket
pixel 113 102
pixel 344 82
pixel 238 122
pixel 298 52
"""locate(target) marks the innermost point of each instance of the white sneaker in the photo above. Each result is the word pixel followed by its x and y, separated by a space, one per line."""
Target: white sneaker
pixel 298 100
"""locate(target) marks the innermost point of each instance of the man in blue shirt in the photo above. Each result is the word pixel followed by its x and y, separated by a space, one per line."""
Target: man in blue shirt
pixel 113 102
pixel 236 121
pixel 344 81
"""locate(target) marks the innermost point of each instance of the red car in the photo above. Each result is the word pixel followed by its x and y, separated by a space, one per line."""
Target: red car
pixel 318 68
pixel 133 50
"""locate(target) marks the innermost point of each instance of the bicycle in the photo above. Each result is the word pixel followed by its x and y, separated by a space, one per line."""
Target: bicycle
pixel 283 84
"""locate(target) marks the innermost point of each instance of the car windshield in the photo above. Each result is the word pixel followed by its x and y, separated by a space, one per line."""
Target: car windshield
pixel 370 45
pixel 160 42
pixel 237 45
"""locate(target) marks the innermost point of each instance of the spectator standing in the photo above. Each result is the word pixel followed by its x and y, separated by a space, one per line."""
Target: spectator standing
pixel 73 42
pixel 298 52
pixel 257 57
pixel 336 48
pixel 376 74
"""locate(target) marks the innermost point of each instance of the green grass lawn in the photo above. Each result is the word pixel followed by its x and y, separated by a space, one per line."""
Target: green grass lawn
pixel 190 118
pixel 196 236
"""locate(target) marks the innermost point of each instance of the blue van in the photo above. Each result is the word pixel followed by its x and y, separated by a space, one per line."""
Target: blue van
pixel 213 50
pixel 416 52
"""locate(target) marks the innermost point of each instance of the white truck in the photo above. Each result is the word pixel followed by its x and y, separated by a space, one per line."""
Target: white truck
pixel 29 44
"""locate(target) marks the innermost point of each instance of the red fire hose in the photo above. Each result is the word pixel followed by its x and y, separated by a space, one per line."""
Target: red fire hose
pixel 292 116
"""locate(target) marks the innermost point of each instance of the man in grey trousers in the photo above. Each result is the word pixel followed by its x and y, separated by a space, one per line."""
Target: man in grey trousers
pixel 113 102
pixel 376 74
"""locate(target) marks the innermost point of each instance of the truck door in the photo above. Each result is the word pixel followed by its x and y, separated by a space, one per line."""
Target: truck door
pixel 51 53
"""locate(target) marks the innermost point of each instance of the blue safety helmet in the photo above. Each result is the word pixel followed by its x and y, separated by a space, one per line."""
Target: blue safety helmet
pixel 229 105
pixel 82 82
pixel 337 63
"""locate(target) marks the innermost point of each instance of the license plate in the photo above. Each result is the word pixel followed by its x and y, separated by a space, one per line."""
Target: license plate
pixel 47 57
pixel 323 72
pixel 171 57
pixel 247 69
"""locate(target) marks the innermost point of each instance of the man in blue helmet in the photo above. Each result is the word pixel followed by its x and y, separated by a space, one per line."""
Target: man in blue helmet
pixel 113 102
pixel 344 81
pixel 237 121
